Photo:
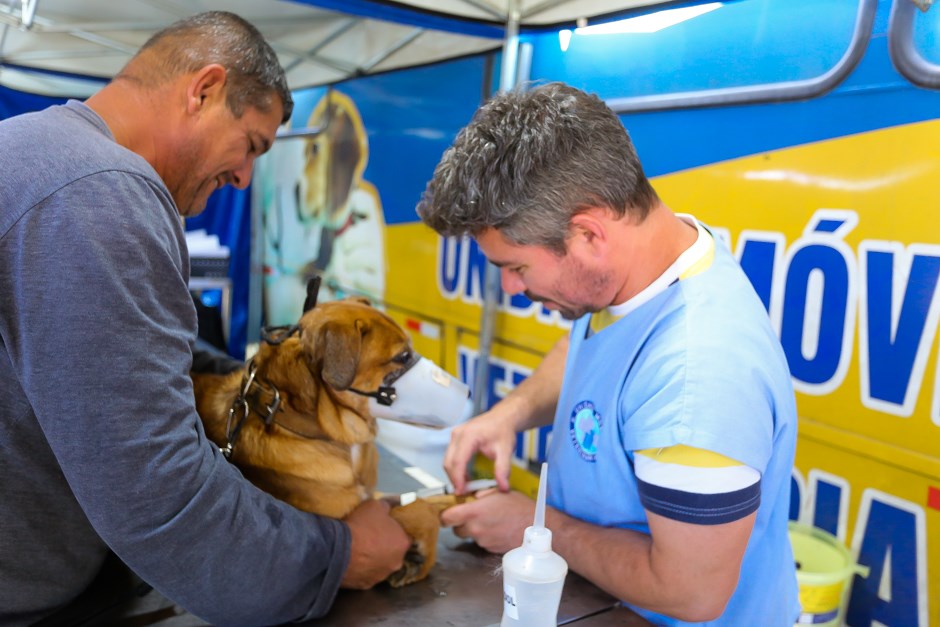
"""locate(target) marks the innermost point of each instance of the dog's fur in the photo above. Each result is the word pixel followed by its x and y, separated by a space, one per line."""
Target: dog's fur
pixel 317 450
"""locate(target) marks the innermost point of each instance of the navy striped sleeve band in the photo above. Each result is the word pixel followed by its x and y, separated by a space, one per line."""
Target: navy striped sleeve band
pixel 699 509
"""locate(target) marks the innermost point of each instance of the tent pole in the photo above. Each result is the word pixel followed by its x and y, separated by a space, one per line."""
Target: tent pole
pixel 508 79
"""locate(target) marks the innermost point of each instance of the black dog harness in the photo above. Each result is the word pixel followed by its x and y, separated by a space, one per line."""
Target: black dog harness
pixel 275 336
pixel 240 408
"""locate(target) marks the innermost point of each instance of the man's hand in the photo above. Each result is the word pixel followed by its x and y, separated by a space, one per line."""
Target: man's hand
pixel 490 433
pixel 493 433
pixel 378 545
pixel 495 520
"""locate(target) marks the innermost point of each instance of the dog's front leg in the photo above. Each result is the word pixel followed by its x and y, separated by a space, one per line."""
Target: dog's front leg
pixel 421 521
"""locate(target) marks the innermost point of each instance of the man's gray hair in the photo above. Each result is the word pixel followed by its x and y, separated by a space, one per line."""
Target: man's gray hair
pixel 531 160
pixel 254 73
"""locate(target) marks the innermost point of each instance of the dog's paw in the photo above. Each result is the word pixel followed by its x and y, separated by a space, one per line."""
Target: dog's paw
pixel 412 570
pixel 421 522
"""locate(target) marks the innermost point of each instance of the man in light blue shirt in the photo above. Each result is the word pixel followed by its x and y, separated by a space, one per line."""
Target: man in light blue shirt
pixel 674 421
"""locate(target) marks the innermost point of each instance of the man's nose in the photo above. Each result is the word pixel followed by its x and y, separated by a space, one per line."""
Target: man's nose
pixel 510 282
pixel 241 177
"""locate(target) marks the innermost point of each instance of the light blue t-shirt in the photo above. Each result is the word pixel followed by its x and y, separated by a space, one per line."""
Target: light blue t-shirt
pixel 699 365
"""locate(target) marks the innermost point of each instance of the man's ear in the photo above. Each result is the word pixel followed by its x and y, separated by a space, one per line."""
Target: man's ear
pixel 205 86
pixel 589 230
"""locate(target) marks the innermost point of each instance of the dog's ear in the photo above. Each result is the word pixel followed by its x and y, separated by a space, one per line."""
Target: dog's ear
pixel 345 154
pixel 338 346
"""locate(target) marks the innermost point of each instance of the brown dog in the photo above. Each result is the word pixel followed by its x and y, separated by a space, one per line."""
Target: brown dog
pixel 296 422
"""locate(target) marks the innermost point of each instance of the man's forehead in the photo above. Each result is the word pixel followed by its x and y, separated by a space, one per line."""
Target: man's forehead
pixel 499 250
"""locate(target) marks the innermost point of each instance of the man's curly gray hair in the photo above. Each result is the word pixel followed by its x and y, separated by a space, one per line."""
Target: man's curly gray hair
pixel 531 160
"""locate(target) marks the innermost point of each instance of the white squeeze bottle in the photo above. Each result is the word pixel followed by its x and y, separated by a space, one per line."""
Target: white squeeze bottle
pixel 533 575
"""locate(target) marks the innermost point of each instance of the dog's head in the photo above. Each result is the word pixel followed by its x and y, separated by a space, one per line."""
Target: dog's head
pixel 342 353
pixel 334 159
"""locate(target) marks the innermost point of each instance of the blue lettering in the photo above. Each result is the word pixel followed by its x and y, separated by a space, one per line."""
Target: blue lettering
pixel 819 302
pixel 461 271
pixel 542 448
pixel 520 301
pixel 495 387
pixel 519 451
pixel 828 507
pixel 896 336
pixel 465 367
pixel 517 378
pixel 892 594
pixel 829 225
pixel 796 496
pixel 814 261
pixel 476 273
pixel 504 376
pixel 757 259
pixel 890 540
pixel 448 265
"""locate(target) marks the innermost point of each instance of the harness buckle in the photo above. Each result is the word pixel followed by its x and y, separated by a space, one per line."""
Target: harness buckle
pixel 386 395
pixel 273 407
pixel 231 432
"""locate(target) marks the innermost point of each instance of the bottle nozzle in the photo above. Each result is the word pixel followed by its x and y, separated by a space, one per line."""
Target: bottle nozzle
pixel 540 501
pixel 538 537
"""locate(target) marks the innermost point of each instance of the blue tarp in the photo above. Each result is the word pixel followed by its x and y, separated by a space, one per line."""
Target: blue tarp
pixel 14 102
pixel 401 14
pixel 228 215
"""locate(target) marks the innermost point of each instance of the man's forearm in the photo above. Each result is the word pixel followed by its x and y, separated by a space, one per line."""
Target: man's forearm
pixel 627 565
pixel 615 560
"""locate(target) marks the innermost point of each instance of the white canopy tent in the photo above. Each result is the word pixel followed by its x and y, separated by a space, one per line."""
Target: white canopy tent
pixel 52 47
pixel 68 48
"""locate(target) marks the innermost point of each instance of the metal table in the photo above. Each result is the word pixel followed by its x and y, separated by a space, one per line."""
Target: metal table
pixel 464 588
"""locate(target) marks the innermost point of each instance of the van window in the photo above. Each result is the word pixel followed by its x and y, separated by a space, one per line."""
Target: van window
pixel 914 43
pixel 926 41
pixel 721 46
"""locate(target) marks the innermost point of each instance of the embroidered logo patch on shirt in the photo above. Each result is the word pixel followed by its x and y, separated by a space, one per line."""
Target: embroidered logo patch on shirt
pixel 584 427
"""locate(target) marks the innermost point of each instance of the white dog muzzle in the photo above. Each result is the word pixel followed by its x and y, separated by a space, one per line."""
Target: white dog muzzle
pixel 423 394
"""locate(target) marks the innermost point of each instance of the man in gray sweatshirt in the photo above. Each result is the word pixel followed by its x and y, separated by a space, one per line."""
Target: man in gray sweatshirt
pixel 101 449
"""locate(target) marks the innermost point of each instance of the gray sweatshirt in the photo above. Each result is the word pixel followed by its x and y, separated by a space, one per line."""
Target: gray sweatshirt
pixel 100 443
